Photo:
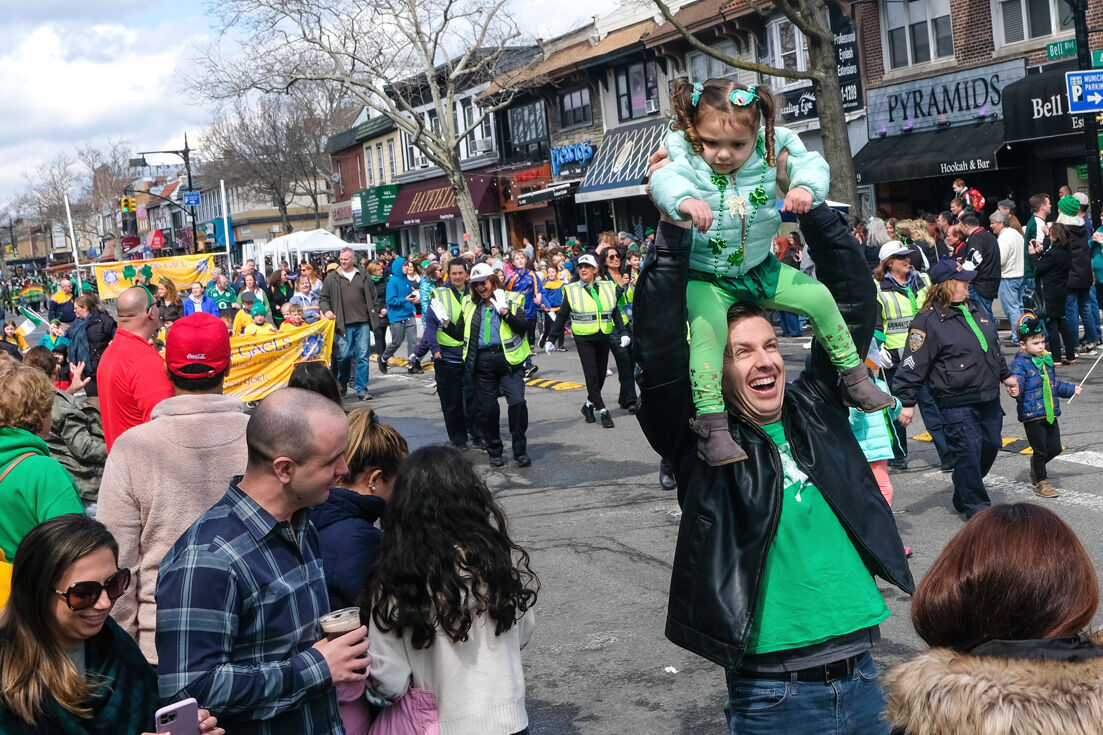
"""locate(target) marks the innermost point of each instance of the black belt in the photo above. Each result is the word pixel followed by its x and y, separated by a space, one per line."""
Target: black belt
pixel 491 348
pixel 824 674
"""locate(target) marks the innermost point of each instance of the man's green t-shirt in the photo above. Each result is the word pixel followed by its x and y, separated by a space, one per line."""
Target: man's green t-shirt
pixel 815 587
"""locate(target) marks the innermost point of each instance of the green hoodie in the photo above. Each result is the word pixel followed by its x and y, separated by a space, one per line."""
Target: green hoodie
pixel 37 489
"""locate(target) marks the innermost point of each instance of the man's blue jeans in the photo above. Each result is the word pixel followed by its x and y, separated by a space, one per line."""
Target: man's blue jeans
pixel 851 706
pixel 1011 298
pixel 354 343
pixel 1078 307
pixel 986 304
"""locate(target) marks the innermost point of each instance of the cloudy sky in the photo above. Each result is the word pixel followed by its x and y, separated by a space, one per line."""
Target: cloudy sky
pixel 74 71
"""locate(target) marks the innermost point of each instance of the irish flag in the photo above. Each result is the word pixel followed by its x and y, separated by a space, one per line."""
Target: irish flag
pixel 30 323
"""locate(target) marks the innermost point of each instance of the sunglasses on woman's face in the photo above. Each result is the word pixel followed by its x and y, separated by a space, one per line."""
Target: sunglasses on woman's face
pixel 83 595
pixel 612 256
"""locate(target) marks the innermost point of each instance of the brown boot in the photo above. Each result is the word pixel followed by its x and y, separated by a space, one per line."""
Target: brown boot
pixel 715 444
pixel 861 392
pixel 1045 489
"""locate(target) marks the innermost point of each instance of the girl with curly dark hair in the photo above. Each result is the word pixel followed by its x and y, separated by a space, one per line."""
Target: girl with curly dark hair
pixel 449 602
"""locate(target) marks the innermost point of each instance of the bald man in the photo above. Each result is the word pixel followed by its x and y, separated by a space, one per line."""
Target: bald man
pixel 240 593
pixel 131 375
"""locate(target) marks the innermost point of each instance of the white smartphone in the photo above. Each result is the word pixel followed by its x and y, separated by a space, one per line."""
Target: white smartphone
pixel 179 718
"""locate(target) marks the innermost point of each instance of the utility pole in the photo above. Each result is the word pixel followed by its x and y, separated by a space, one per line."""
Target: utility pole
pixel 185 153
pixel 1091 126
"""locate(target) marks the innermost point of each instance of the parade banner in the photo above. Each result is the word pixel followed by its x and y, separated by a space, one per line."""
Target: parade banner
pixel 183 270
pixel 263 363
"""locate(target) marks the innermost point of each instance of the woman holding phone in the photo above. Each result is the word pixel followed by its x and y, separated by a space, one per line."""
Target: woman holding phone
pixel 65 665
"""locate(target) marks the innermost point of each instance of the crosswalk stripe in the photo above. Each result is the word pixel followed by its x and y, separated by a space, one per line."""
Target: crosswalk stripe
pixel 1013 444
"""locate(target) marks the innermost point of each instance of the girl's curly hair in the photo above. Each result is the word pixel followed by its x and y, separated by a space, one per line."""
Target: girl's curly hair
pixel 446 555
pixel 716 96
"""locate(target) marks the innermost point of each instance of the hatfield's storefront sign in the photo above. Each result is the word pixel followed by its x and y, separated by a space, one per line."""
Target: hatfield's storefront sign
pixel 943 101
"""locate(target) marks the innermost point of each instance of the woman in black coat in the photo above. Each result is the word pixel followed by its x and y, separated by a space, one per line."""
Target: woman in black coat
pixel 1052 262
pixel 89 336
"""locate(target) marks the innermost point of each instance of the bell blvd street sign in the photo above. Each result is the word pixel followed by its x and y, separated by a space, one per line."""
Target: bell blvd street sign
pixel 1085 90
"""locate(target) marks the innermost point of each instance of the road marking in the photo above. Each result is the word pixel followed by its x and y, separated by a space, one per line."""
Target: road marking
pixel 553 384
pixel 1020 488
pixel 1016 445
pixel 1091 459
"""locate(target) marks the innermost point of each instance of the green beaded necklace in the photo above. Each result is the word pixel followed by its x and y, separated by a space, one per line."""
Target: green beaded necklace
pixel 757 197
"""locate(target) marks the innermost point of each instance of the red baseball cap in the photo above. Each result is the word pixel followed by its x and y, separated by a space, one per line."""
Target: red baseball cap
pixel 199 339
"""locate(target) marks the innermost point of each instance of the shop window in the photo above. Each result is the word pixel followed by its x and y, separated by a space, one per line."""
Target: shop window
pixel 917 31
pixel 574 108
pixel 637 90
pixel 786 48
pixel 480 140
pixel 528 132
pixel 368 158
pixel 379 163
pixel 1024 20
pixel 390 156
pixel 703 67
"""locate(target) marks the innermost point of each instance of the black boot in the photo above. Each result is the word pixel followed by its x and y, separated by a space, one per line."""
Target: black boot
pixel 588 412
pixel 715 444
pixel 606 419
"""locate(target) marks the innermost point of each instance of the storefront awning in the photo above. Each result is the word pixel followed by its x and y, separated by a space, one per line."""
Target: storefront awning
pixel 433 200
pixel 950 152
pixel 1036 107
pixel 620 167
pixel 542 196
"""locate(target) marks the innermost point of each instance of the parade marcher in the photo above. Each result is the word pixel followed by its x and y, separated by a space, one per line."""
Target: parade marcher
pixel 131 374
pixel 952 346
pixel 197 301
pixel 590 307
pixel 251 283
pixel 454 388
pixel 493 329
pixel 725 142
pixel 307 299
pixel 402 298
pixel 526 282
pixel 89 337
pixel 1006 608
pixel 348 297
pixel 425 627
pixel 1051 263
pixel 1078 300
pixel 773 574
pixel 66 666
pixel 280 291
pixel 609 270
pixel 60 306
pixel 1012 254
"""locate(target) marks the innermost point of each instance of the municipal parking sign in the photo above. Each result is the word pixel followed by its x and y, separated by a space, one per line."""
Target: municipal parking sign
pixel 1085 90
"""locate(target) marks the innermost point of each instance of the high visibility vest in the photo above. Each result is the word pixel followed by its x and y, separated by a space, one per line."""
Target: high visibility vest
pixel 590 315
pixel 515 346
pixel 897 313
pixel 626 301
pixel 453 308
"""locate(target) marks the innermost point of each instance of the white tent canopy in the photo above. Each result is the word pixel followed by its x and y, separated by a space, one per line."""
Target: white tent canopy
pixel 293 246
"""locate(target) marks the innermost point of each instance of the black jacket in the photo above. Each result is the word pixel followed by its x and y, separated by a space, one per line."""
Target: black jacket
pixel 944 352
pixel 730 513
pixel 517 322
pixel 1080 259
pixel 1051 275
pixel 987 282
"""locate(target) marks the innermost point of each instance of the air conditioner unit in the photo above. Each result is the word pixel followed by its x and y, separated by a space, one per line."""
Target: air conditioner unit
pixel 652 106
pixel 483 145
pixel 420 161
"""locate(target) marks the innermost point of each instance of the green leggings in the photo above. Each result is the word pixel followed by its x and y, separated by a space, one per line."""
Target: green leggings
pixel 770 284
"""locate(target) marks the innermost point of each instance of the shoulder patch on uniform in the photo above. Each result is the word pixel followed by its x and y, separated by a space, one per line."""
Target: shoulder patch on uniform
pixel 916 338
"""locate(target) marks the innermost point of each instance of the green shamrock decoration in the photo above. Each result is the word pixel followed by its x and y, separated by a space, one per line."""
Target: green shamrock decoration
pixel 129 273
pixel 736 258
pixel 147 272
pixel 720 181
pixel 717 245
pixel 758 196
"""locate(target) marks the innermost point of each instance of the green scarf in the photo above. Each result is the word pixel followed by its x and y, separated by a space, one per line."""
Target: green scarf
pixel 1043 363
pixel 973 325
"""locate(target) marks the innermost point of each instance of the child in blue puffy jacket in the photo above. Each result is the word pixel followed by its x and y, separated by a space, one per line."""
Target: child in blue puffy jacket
pixel 1038 404
pixel 727 162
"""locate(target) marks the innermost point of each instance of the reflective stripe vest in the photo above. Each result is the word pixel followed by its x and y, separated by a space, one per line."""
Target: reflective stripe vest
pixel 590 315
pixel 515 346
pixel 453 308
pixel 897 313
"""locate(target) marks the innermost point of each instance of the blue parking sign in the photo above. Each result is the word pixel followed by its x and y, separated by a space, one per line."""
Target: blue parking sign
pixel 1085 90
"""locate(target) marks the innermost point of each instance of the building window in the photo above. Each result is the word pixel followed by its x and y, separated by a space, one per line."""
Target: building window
pixel 917 31
pixel 703 67
pixel 528 132
pixel 379 162
pixel 574 108
pixel 637 90
pixel 390 156
pixel 1023 20
pixel 481 139
pixel 371 171
pixel 786 48
pixel 359 174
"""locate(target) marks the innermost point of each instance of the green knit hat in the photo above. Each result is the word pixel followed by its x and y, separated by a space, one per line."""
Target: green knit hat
pixel 258 309
pixel 1068 206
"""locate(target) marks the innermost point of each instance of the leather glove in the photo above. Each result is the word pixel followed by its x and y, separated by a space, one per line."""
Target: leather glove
pixel 625 340
pixel 438 311
pixel 548 348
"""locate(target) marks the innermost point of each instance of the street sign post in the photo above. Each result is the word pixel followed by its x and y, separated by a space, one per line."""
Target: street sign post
pixel 1060 49
pixel 1085 90
pixel 191 199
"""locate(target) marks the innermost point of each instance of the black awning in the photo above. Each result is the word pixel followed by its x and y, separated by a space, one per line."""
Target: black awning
pixel 541 196
pixel 1036 107
pixel 620 167
pixel 950 152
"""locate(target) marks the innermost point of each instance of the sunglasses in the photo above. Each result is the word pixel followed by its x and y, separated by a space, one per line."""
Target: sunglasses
pixel 612 256
pixel 83 595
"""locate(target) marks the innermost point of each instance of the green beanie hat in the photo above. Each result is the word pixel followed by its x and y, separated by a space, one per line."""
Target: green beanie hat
pixel 258 309
pixel 1068 206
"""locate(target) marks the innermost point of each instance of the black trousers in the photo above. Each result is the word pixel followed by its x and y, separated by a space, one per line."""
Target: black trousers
pixel 454 399
pixel 494 376
pixel 594 354
pixel 549 322
pixel 973 433
pixel 380 335
pixel 1045 441
pixel 1058 329
pixel 626 372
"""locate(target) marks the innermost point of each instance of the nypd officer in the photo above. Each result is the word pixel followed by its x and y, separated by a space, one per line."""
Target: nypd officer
pixel 952 346
pixel 453 387
pixel 590 305
pixel 492 327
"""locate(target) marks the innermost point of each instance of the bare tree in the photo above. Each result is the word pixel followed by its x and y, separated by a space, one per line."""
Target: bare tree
pixel 108 169
pixel 812 18
pixel 46 187
pixel 394 56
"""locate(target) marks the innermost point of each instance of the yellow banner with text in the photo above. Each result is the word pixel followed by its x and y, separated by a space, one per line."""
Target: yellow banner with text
pixel 183 270
pixel 262 363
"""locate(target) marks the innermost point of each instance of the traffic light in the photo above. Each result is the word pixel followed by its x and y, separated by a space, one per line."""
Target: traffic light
pixel 127 205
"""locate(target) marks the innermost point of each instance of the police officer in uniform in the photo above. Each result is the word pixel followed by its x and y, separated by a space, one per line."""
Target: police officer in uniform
pixel 609 269
pixel 953 347
pixel 453 386
pixel 590 304
pixel 493 327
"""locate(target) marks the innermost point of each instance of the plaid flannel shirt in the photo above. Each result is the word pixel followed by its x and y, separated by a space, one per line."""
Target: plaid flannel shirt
pixel 238 602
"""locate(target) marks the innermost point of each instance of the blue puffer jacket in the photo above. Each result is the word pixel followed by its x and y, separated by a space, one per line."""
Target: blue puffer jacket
pixel 689 177
pixel 349 541
pixel 398 288
pixel 1031 401
pixel 875 431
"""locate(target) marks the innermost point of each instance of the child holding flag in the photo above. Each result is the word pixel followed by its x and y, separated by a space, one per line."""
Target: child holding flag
pixel 1038 406
pixel 14 335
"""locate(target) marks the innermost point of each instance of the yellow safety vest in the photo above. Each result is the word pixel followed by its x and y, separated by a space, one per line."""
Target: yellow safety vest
pixel 453 308
pixel 590 315
pixel 897 314
pixel 515 346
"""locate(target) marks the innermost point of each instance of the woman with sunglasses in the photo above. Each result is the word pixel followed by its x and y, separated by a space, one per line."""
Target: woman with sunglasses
pixel 609 269
pixel 65 665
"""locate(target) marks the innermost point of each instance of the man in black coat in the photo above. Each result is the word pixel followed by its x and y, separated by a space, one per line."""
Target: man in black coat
pixel 982 249
pixel 774 567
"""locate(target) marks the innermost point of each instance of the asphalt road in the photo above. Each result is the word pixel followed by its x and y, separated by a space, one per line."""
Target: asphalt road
pixel 601 535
